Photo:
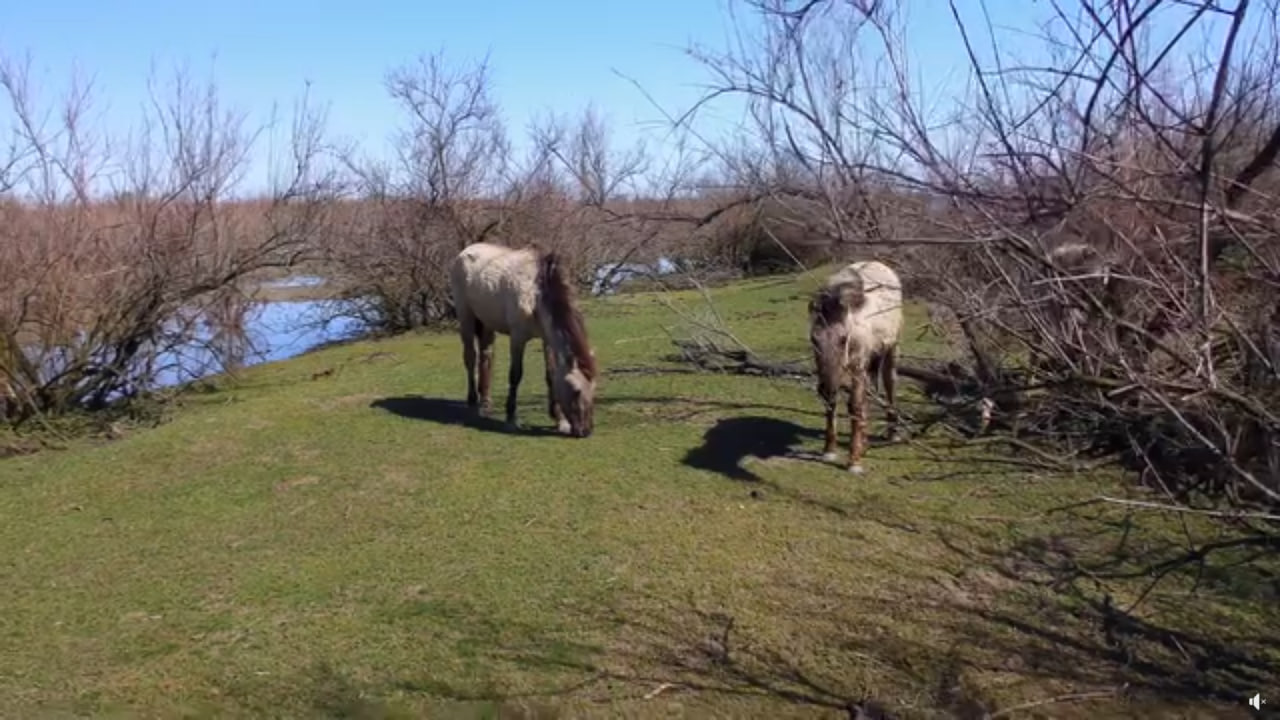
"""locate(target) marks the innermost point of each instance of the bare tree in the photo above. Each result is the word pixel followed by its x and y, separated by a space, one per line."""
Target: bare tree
pixel 1099 225
pixel 411 214
pixel 586 151
pixel 118 253
pixel 593 226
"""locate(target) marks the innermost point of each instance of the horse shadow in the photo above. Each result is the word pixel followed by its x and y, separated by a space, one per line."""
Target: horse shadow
pixel 731 440
pixel 454 412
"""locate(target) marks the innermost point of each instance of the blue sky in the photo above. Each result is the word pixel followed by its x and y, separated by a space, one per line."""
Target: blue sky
pixel 544 55
pixel 557 55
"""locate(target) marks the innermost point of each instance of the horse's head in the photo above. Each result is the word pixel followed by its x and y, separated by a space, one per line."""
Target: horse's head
pixel 575 372
pixel 828 330
pixel 575 388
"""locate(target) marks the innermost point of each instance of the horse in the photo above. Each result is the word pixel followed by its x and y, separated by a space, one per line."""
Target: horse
pixel 855 320
pixel 522 293
pixel 1084 268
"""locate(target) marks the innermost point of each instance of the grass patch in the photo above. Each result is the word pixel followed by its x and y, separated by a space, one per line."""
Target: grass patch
pixel 346 544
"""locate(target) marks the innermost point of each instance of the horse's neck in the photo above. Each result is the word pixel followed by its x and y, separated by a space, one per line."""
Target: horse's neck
pixel 552 335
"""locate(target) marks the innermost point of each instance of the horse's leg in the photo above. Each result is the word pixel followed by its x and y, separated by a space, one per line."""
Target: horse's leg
pixel 518 342
pixel 467 331
pixel 485 336
pixel 830 398
pixel 889 378
pixel 857 418
pixel 553 407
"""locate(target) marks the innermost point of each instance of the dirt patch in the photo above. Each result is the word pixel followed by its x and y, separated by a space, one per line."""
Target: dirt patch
pixel 15 448
pixel 258 423
pixel 685 411
pixel 355 399
pixel 298 482
pixel 988 582
pixel 344 401
pixel 755 315
pixel 399 479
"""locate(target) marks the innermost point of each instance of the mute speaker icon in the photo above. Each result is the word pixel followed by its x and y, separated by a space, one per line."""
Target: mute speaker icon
pixel 1256 702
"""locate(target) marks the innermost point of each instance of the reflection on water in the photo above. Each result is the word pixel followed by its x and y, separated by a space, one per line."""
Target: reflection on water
pixel 610 276
pixel 278 330
pixel 275 330
pixel 296 281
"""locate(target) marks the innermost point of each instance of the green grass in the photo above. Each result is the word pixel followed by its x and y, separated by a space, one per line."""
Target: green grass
pixel 300 544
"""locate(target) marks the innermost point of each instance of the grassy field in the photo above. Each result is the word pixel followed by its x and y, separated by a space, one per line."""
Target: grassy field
pixel 326 537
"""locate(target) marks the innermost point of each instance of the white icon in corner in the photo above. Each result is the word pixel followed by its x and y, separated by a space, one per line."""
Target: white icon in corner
pixel 1256 702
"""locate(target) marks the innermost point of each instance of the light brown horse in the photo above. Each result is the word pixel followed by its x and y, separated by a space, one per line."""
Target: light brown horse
pixel 855 319
pixel 522 293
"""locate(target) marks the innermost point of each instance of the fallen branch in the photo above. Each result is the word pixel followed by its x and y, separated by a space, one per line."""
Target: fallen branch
pixel 1071 697
pixel 1148 505
pixel 955 382
pixel 1050 461
pixel 648 370
pixel 710 355
pixel 659 690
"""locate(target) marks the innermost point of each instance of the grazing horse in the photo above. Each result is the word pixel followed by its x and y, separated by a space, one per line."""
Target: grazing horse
pixel 522 293
pixel 855 319
pixel 1082 264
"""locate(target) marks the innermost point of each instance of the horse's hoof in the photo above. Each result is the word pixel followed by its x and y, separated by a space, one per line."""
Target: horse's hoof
pixel 830 457
pixel 564 427
pixel 512 425
pixel 856 469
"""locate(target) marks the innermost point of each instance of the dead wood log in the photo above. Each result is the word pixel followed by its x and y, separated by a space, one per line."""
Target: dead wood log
pixel 709 355
pixel 951 381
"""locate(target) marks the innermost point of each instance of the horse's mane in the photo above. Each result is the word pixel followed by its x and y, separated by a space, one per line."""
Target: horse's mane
pixel 558 295
pixel 829 304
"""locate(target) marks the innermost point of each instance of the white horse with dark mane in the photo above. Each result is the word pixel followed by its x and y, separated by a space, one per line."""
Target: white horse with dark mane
pixel 855 320
pixel 522 293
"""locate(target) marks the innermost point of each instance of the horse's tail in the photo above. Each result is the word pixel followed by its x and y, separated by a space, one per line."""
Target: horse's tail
pixel 874 367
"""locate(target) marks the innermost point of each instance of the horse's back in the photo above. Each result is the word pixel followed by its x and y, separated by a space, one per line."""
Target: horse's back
pixel 878 278
pixel 882 289
pixel 495 284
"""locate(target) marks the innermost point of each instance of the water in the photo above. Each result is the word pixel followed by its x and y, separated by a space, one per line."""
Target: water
pixel 279 330
pixel 629 271
pixel 285 329
pixel 296 281
pixel 276 330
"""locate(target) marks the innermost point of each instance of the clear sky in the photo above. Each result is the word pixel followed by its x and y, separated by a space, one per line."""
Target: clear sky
pixel 544 55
